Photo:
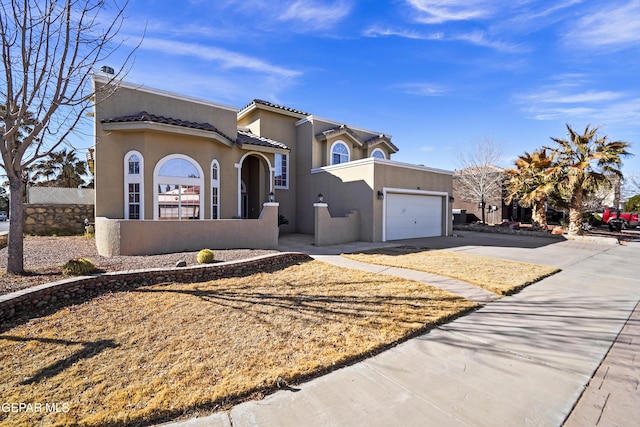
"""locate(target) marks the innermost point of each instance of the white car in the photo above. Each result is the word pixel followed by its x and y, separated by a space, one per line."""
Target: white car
pixel 3 216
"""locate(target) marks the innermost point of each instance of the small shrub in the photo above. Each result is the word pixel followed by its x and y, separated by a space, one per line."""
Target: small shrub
pixel 282 220
pixel 78 267
pixel 205 256
pixel 594 219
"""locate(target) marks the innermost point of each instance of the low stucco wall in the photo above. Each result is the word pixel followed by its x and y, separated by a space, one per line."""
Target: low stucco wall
pixel 335 230
pixel 147 237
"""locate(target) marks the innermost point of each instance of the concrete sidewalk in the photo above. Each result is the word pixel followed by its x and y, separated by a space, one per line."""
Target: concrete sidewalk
pixel 463 289
pixel 521 360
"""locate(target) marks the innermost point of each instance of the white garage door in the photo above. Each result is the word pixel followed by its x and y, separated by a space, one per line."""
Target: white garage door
pixel 413 215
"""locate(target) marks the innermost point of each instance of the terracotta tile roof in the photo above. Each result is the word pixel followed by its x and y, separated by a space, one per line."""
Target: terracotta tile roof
pixel 381 138
pixel 344 129
pixel 143 116
pixel 272 105
pixel 339 130
pixel 246 137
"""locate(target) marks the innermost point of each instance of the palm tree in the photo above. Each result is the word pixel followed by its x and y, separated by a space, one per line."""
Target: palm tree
pixel 71 170
pixel 581 168
pixel 61 169
pixel 529 183
pixel 45 171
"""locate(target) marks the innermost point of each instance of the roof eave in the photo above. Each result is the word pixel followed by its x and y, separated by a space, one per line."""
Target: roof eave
pixel 166 128
pixel 258 106
pixel 263 149
pixel 325 136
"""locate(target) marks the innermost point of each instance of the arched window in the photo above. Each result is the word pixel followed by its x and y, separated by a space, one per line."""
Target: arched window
pixel 215 190
pixel 178 182
pixel 339 153
pixel 133 185
pixel 378 154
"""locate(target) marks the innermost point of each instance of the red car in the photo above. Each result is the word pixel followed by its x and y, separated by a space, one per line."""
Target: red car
pixel 620 220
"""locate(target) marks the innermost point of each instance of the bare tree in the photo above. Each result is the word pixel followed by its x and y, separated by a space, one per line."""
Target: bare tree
pixel 479 179
pixel 49 50
pixel 630 186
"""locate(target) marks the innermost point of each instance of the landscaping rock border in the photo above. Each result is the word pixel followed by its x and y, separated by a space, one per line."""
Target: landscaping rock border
pixel 506 230
pixel 483 228
pixel 28 301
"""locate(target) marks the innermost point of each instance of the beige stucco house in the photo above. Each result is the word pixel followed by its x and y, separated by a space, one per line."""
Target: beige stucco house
pixel 176 173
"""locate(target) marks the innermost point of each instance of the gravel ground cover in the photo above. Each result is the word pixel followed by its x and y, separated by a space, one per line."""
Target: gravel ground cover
pixel 44 256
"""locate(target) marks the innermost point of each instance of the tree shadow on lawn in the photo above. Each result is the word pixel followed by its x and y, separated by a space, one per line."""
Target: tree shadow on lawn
pixel 313 305
pixel 395 250
pixel 341 306
pixel 89 349
pixel 136 280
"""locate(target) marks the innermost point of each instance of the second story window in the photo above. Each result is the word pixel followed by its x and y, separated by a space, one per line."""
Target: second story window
pixel 339 153
pixel 378 154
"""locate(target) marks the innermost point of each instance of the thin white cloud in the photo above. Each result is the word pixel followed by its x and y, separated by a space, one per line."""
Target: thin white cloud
pixel 222 57
pixel 378 31
pixel 610 26
pixel 557 97
pixel 570 79
pixel 423 89
pixel 190 30
pixel 439 11
pixel 478 38
pixel 566 102
pixel 566 114
pixel 534 15
pixel 316 15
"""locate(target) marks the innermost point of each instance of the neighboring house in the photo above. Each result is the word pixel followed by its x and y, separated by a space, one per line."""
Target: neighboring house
pixel 607 196
pixel 178 173
pixel 471 183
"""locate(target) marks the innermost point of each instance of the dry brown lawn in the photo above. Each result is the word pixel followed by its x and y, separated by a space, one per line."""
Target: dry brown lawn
pixel 500 276
pixel 162 351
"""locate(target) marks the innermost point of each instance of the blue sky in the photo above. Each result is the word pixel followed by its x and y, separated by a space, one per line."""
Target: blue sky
pixel 434 74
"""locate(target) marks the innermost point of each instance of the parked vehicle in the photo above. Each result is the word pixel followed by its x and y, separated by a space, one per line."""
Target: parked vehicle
pixel 554 216
pixel 3 216
pixel 619 220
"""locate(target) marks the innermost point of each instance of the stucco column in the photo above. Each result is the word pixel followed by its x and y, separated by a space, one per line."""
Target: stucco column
pixel 239 168
pixel 322 216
